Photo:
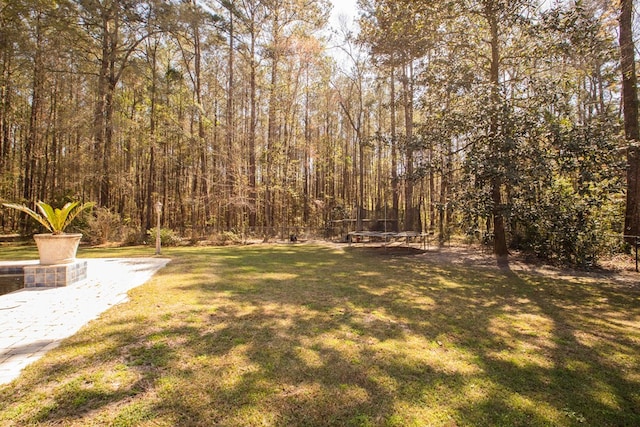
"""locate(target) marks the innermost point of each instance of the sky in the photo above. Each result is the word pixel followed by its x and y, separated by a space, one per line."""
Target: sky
pixel 348 7
pixel 343 7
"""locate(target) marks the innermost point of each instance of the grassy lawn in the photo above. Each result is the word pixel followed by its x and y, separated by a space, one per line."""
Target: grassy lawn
pixel 301 335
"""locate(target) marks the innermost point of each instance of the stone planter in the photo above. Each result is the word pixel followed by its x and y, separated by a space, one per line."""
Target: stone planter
pixel 57 248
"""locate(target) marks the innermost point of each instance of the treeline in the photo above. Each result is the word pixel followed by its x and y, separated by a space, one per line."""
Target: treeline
pixel 499 118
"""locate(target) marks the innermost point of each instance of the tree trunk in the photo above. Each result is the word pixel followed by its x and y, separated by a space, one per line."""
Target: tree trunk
pixel 395 203
pixel 253 193
pixel 307 149
pixel 409 211
pixel 5 108
pixel 271 130
pixel 230 170
pixel 151 179
pixel 200 188
pixel 500 239
pixel 98 112
pixel 631 130
pixel 33 140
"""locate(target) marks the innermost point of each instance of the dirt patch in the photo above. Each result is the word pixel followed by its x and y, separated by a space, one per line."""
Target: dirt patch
pixel 387 251
pixel 619 270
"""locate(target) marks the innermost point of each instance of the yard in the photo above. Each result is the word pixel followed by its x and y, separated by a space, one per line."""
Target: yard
pixel 313 335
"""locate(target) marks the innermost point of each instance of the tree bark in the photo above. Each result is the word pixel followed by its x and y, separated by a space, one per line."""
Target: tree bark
pixel 253 192
pixel 151 179
pixel 5 108
pixel 499 233
pixel 395 203
pixel 307 149
pixel 33 140
pixel 230 169
pixel 630 111
pixel 271 128
pixel 410 223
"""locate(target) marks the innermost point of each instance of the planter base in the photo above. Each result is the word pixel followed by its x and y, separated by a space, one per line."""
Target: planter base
pixel 40 276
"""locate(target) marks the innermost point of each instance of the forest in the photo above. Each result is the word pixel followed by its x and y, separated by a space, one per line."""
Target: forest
pixel 512 120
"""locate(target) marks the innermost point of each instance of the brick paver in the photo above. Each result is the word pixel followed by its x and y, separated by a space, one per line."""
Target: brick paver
pixel 34 321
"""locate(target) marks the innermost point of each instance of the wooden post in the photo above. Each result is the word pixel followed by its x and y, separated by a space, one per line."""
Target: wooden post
pixel 158 214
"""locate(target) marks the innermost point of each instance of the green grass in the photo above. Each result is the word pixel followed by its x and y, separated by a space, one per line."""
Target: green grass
pixel 300 335
pixel 27 251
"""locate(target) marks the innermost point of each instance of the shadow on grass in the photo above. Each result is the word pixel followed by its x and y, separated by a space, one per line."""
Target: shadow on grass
pixel 305 335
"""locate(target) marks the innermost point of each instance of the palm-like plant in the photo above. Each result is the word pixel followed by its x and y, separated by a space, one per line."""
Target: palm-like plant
pixel 53 219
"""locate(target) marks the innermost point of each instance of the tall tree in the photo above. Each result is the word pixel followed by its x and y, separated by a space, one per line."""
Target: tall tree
pixel 398 33
pixel 287 17
pixel 252 17
pixel 630 110
pixel 491 13
pixel 118 26
pixel 229 133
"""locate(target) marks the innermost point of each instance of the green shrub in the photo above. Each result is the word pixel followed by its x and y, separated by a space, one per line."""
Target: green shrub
pixel 563 225
pixel 167 237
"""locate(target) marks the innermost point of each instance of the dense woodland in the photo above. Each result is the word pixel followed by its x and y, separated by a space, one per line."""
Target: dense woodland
pixel 500 118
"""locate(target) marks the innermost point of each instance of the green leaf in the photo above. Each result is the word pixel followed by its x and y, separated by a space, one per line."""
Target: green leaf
pixel 53 219
pixel 33 214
